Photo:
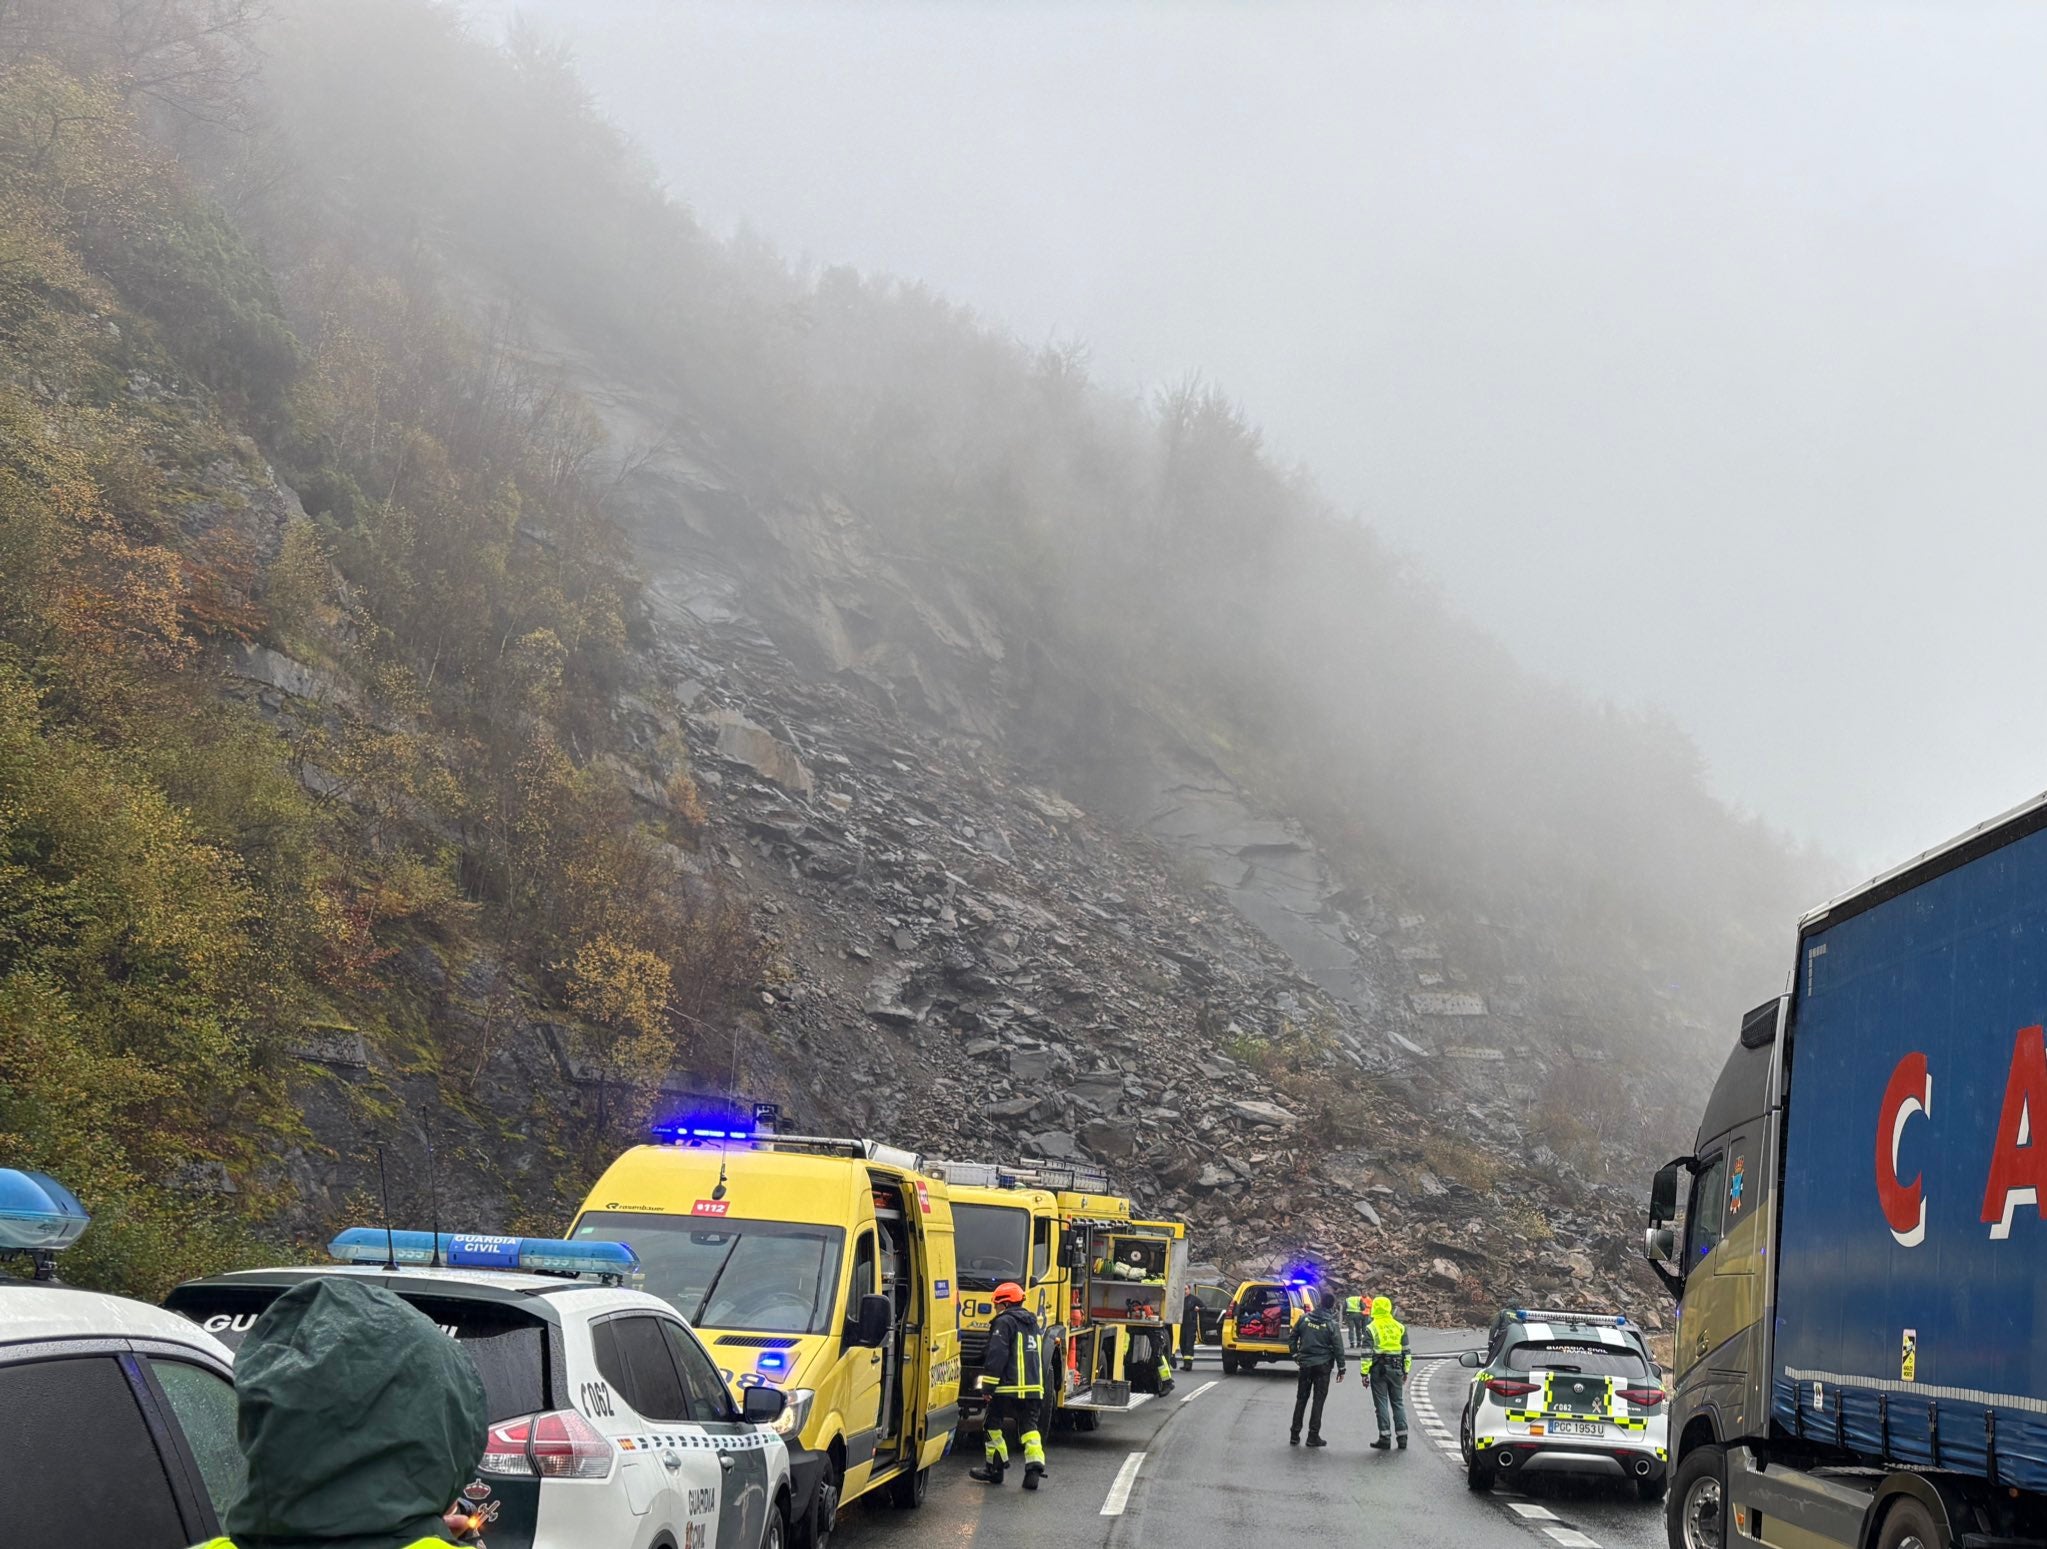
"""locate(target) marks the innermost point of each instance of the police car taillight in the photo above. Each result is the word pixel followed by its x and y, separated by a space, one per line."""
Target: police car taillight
pixel 1507 1387
pixel 560 1444
pixel 1643 1396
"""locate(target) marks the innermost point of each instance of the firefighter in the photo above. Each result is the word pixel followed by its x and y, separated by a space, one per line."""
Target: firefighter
pixel 1390 1364
pixel 1190 1330
pixel 1316 1344
pixel 1013 1378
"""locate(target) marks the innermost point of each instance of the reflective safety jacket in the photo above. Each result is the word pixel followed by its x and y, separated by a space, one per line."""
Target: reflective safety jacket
pixel 1355 1305
pixel 1014 1366
pixel 1389 1335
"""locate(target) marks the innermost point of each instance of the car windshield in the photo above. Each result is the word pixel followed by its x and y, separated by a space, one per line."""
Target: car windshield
pixel 991 1241
pixel 771 1277
pixel 1597 1360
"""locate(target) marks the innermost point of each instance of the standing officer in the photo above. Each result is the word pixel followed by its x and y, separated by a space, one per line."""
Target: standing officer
pixel 1190 1330
pixel 1354 1320
pixel 1316 1344
pixel 1390 1363
pixel 1013 1377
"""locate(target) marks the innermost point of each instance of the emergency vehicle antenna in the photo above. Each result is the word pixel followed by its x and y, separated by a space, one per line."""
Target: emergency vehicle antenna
pixel 433 1200
pixel 390 1241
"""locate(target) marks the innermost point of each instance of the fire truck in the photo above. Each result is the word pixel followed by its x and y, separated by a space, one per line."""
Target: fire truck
pixel 1106 1286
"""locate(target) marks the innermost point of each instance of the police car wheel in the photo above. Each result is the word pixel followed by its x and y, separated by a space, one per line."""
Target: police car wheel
pixel 774 1530
pixel 1651 1489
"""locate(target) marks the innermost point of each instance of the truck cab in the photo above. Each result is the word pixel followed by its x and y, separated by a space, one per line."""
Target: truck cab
pixel 822 1267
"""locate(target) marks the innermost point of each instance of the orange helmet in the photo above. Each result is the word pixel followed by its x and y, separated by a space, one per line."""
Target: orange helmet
pixel 1008 1294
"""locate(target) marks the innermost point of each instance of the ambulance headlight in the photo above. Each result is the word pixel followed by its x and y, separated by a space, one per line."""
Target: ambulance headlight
pixel 790 1421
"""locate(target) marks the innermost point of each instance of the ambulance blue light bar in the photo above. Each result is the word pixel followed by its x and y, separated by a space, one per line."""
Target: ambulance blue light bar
pixel 469 1250
pixel 37 1213
pixel 703 1126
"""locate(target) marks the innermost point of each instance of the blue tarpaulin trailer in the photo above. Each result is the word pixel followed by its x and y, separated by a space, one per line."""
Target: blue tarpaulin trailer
pixel 1861 1264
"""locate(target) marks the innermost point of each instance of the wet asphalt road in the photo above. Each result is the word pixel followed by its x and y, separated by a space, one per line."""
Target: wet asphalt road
pixel 1216 1473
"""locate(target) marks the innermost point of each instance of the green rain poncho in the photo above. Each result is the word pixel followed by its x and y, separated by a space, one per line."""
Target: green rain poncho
pixel 361 1421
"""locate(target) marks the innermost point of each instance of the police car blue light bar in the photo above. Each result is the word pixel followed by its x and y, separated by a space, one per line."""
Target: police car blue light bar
pixel 469 1250
pixel 37 1213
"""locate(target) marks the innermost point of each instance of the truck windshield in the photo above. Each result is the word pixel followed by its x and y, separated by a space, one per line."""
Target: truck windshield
pixel 993 1243
pixel 770 1277
pixel 1594 1360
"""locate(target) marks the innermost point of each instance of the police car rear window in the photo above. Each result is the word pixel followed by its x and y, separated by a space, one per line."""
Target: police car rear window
pixel 1595 1360
pixel 508 1345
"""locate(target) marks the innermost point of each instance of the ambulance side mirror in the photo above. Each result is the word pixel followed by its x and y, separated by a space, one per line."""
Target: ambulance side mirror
pixel 871 1323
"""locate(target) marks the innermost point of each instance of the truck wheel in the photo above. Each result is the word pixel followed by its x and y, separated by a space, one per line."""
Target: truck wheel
pixel 1909 1525
pixel 1696 1516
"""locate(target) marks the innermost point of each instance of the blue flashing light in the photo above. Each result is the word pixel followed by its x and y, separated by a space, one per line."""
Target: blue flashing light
pixel 37 1213
pixel 772 1361
pixel 690 1127
pixel 472 1250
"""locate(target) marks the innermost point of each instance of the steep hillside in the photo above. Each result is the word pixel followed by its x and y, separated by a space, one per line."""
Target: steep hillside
pixel 587 669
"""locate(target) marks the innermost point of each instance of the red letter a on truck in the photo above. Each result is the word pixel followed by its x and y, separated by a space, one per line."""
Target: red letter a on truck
pixel 2018 1167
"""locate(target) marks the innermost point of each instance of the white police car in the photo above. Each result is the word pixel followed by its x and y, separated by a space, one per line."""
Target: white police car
pixel 1566 1392
pixel 117 1419
pixel 609 1424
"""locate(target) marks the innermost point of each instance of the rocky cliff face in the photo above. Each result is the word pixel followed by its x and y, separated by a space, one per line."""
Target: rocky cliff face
pixel 1008 914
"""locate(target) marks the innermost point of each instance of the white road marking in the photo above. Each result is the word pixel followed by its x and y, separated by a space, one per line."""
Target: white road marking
pixel 1125 1482
pixel 1571 1538
pixel 1191 1397
pixel 1530 1509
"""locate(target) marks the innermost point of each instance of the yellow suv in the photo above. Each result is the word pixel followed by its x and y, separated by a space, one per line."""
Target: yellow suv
pixel 1257 1321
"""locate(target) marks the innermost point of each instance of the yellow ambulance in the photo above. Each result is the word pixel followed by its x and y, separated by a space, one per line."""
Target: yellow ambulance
pixel 822 1267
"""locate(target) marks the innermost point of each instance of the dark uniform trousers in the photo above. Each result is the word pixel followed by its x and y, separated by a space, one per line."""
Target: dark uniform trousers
pixel 1311 1380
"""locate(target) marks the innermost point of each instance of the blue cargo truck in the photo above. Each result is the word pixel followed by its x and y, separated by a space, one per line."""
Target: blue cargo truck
pixel 1861 1257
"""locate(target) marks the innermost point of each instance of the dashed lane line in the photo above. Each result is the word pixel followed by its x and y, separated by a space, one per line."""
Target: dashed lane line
pixel 1125 1482
pixel 1191 1397
pixel 1527 1511
pixel 1530 1509
pixel 1571 1538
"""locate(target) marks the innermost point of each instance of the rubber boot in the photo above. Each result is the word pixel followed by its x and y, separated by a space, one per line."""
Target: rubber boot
pixel 1382 1445
pixel 988 1473
pixel 1294 1439
pixel 1402 1442
pixel 1033 1472
pixel 1034 1459
pixel 1316 1441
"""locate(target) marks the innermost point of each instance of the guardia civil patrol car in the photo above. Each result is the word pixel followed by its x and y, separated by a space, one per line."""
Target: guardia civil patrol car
pixel 1565 1392
pixel 609 1424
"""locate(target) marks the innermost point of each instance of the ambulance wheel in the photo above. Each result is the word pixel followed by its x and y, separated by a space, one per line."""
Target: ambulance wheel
pixel 824 1509
pixel 1909 1525
pixel 1229 1364
pixel 907 1490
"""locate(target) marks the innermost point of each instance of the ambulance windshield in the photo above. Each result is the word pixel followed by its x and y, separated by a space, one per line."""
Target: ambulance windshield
pixel 772 1277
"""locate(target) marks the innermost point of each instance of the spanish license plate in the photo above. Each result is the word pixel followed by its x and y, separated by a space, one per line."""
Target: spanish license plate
pixel 1575 1428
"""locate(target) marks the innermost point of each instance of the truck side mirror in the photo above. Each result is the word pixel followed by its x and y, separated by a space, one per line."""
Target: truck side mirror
pixel 1660 1244
pixel 762 1406
pixel 1073 1248
pixel 1663 1195
pixel 1471 1358
pixel 872 1322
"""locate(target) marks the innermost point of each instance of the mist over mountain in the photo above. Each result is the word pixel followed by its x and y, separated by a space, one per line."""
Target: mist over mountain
pixel 495 660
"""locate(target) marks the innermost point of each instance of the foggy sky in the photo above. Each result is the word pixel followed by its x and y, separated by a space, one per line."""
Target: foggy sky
pixel 1699 352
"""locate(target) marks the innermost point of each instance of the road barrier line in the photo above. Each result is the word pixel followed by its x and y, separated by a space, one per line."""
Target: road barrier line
pixel 1125 1482
pixel 1191 1397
